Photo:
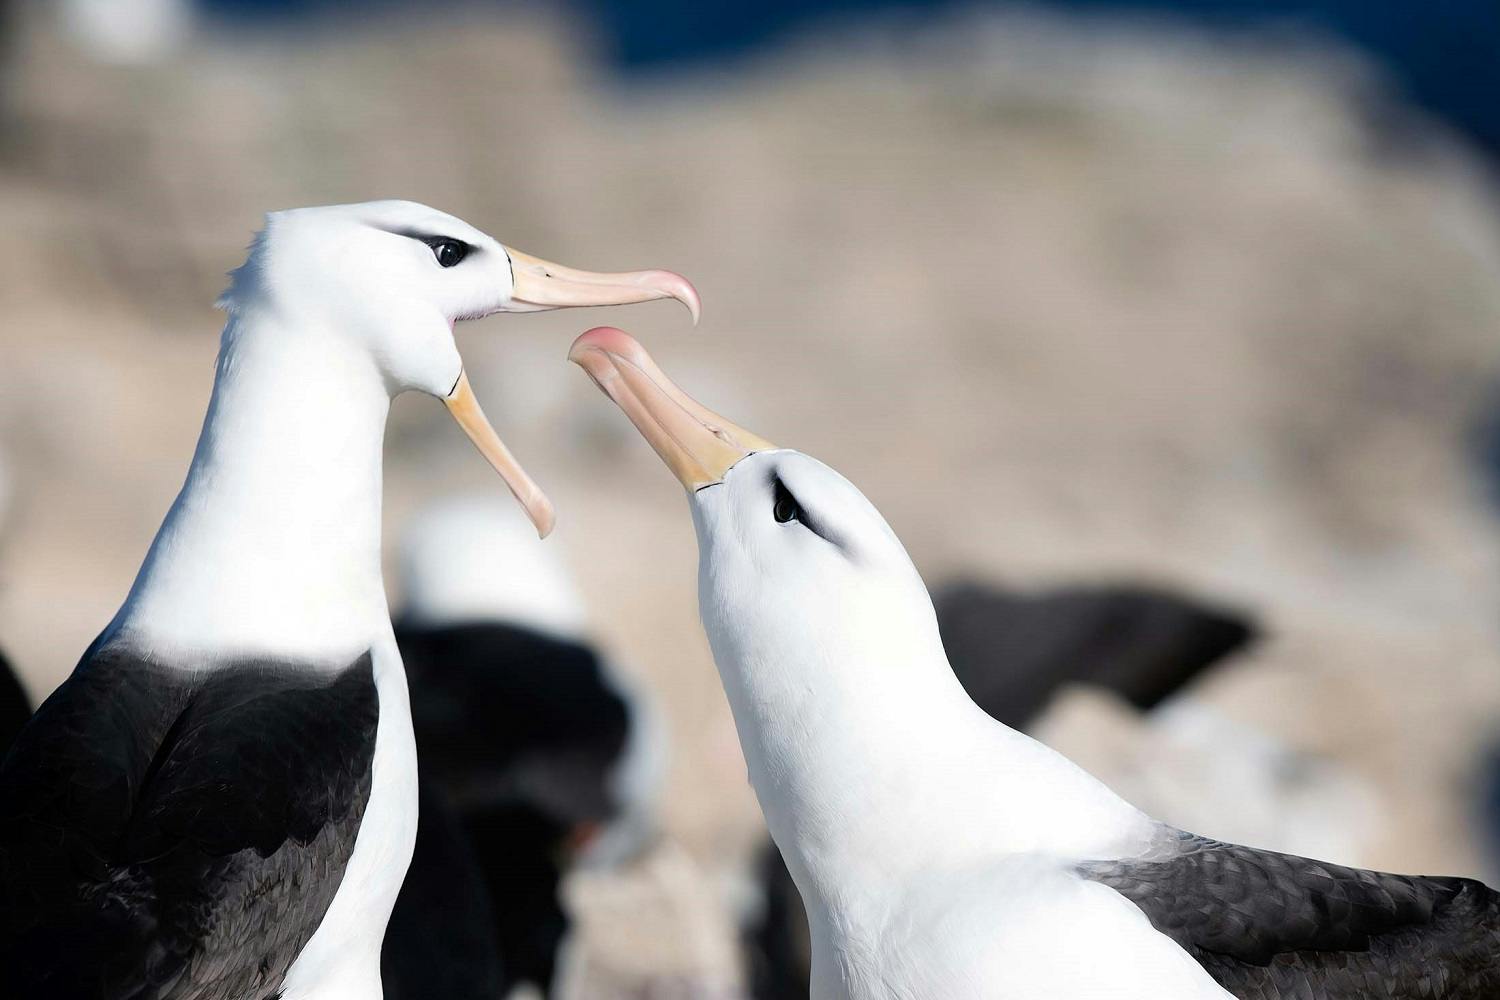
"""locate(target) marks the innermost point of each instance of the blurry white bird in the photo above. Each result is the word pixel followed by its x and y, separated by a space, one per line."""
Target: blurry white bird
pixel 942 854
pixel 220 802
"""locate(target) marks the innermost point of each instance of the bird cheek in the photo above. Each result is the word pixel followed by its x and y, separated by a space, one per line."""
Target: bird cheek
pixel 486 292
pixel 424 356
pixel 441 369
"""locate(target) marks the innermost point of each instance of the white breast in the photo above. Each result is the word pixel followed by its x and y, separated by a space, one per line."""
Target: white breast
pixel 342 960
pixel 1024 929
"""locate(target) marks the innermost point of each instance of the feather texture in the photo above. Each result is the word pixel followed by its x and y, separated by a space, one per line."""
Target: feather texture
pixel 166 833
pixel 1271 926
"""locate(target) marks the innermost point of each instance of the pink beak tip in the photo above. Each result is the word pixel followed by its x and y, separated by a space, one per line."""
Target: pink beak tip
pixel 674 285
pixel 607 339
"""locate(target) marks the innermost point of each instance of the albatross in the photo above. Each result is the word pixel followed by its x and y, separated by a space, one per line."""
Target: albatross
pixel 220 801
pixel 942 854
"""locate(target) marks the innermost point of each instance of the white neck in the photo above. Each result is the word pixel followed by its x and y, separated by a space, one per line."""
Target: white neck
pixel 872 764
pixel 273 545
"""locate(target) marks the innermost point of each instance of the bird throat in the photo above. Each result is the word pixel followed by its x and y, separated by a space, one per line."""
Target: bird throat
pixel 273 544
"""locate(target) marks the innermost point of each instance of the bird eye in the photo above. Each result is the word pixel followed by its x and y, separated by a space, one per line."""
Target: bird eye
pixel 785 507
pixel 448 252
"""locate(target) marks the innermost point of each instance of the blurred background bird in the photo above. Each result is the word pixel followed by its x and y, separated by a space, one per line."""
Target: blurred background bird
pixel 1208 290
pixel 534 751
pixel 15 706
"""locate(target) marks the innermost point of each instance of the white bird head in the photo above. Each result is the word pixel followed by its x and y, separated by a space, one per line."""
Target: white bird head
pixel 798 571
pixel 472 558
pixel 391 278
pixel 871 763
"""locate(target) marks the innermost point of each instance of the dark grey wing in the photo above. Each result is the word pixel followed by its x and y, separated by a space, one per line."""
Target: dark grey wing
pixel 520 733
pixel 1013 651
pixel 776 939
pixel 15 707
pixel 1269 925
pixel 508 715
pixel 166 833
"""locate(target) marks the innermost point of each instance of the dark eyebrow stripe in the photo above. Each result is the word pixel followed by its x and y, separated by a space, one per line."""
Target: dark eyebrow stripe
pixel 807 520
pixel 428 238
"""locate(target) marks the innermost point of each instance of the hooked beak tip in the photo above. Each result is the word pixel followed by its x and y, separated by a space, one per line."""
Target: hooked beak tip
pixel 688 296
pixel 671 285
pixel 540 284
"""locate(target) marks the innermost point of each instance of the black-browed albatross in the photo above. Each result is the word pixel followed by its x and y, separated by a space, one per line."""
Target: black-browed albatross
pixel 944 855
pixel 220 801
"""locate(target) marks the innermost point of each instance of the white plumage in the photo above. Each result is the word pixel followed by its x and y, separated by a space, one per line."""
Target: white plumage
pixel 942 854
pixel 247 707
pixel 931 844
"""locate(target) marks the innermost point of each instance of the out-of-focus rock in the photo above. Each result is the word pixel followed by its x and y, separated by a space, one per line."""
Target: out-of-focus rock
pixel 1193 766
pixel 621 952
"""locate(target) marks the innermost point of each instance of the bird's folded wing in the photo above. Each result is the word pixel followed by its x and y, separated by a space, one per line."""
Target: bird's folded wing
pixel 509 716
pixel 15 709
pixel 168 832
pixel 1270 925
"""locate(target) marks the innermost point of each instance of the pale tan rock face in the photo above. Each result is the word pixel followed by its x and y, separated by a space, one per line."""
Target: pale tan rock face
pixel 1065 304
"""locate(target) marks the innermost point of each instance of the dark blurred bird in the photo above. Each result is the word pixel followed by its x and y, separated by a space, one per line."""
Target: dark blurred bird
pixel 1013 652
pixel 528 739
pixel 15 706
pixel 442 939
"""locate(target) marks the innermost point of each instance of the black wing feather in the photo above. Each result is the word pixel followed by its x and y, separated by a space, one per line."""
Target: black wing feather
pixel 506 715
pixel 518 733
pixel 1270 926
pixel 15 707
pixel 1013 651
pixel 441 939
pixel 166 833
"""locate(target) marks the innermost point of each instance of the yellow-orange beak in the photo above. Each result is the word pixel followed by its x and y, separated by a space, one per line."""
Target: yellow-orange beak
pixel 698 445
pixel 541 284
pixel 465 410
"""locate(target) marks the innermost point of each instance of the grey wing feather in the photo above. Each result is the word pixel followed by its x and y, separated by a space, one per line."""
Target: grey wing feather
pixel 1270 926
pixel 167 834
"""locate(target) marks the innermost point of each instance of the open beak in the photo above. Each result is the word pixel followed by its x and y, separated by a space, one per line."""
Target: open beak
pixel 465 409
pixel 698 445
pixel 541 284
